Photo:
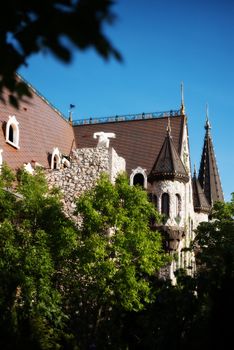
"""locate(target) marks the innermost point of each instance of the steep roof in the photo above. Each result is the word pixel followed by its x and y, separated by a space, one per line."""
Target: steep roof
pixel 208 173
pixel 41 128
pixel 168 165
pixel 199 199
pixel 139 140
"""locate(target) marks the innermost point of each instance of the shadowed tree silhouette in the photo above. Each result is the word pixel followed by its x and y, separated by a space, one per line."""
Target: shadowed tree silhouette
pixel 32 26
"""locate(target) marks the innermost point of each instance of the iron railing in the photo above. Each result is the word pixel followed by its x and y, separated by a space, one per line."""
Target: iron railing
pixel 127 117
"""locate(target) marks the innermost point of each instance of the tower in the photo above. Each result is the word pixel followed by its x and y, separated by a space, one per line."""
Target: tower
pixel 208 174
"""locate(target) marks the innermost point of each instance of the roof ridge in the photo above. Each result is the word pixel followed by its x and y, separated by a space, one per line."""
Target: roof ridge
pixel 127 117
pixel 39 94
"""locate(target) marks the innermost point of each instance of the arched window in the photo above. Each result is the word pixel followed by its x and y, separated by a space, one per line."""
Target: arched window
pixel 55 159
pixel 138 177
pixel 12 132
pixel 165 205
pixel 178 205
pixel 138 180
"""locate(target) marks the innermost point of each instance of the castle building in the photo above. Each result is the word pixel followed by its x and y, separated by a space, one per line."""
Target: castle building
pixel 153 149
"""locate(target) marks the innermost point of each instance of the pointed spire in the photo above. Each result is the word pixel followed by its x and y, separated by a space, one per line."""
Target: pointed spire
pixel 182 108
pixel 168 165
pixel 207 125
pixel 208 174
pixel 200 202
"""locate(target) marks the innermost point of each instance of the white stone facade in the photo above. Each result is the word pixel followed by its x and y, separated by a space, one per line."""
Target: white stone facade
pixel 86 166
pixel 182 216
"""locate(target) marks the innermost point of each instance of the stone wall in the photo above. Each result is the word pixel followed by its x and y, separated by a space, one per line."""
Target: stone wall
pixel 86 166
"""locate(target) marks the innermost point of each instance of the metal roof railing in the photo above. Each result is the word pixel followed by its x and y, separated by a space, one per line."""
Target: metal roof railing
pixel 127 117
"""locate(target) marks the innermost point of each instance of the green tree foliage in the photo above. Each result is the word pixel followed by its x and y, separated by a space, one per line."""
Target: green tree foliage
pixel 96 285
pixel 119 257
pixel 35 241
pixel 67 287
pixel 215 276
pixel 197 311
pixel 28 27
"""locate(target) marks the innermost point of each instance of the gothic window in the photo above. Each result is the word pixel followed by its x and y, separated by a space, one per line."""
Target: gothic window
pixel 178 205
pixel 138 177
pixel 12 132
pixel 165 207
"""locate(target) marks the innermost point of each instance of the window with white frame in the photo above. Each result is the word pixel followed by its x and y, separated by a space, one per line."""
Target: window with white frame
pixel 55 159
pixel 138 177
pixel 12 131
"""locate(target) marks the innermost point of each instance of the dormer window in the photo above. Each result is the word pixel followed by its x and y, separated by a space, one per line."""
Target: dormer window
pixel 55 159
pixel 12 132
pixel 138 177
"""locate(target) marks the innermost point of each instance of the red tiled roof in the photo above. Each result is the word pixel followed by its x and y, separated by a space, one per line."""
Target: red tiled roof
pixel 41 128
pixel 138 141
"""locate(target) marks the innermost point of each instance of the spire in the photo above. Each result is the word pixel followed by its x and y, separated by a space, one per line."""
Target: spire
pixel 168 165
pixel 182 108
pixel 208 174
pixel 207 125
pixel 200 202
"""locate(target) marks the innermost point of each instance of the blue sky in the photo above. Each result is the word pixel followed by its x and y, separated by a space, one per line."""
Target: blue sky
pixel 162 43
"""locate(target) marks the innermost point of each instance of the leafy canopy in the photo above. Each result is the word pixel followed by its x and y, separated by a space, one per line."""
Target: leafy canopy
pixel 119 253
pixel 35 242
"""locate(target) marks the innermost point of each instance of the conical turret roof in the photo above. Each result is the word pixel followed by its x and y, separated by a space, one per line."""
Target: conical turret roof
pixel 199 199
pixel 168 165
pixel 208 174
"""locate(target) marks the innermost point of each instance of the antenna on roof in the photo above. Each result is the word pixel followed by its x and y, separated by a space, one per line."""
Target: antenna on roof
pixel 182 108
pixel 70 113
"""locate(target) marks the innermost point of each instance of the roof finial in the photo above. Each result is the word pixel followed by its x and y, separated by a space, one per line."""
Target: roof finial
pixel 70 113
pixel 182 108
pixel 169 126
pixel 207 125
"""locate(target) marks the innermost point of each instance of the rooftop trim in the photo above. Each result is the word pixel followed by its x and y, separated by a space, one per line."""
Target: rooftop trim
pixel 42 97
pixel 127 117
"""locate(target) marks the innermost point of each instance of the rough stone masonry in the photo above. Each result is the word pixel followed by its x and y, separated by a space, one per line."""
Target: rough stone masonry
pixel 86 166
